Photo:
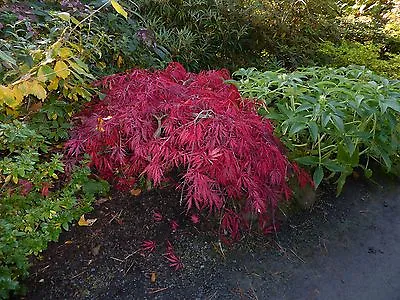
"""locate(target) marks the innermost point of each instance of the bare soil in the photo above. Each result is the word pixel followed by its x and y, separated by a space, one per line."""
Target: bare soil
pixel 343 248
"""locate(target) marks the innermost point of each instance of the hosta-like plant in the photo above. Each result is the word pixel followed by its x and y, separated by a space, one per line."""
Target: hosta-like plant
pixel 332 120
pixel 152 124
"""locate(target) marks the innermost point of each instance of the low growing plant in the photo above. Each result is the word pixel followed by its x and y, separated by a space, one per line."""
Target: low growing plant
pixel 152 124
pixel 34 206
pixel 331 120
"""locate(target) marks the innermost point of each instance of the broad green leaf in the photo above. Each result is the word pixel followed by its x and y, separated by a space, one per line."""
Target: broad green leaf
pixel 313 128
pixel 325 119
pixel 350 145
pixel 318 176
pixel 394 104
pixel 386 159
pixel 304 106
pixel 45 73
pixel 359 99
pixel 64 16
pixel 333 166
pixel 355 158
pixel 61 69
pixel 119 9
pixel 8 59
pixel 340 183
pixel 343 154
pixel 338 122
pixel 307 160
pixel 81 64
pixel 296 127
pixel 80 70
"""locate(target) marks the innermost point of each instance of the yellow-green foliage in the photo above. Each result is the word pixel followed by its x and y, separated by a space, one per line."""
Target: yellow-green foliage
pixel 57 69
pixel 368 54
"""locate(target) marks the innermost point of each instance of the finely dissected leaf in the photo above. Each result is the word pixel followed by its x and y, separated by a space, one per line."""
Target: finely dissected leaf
pixel 62 69
pixel 151 123
pixel 119 9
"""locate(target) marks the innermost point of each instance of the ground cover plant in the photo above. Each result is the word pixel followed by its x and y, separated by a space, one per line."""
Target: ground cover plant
pixel 153 123
pixel 35 205
pixel 332 120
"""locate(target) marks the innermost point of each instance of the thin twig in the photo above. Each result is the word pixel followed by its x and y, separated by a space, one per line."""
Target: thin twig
pixel 115 216
pixel 129 255
pixel 126 272
pixel 153 291
pixel 79 274
pixel 294 253
pixel 117 259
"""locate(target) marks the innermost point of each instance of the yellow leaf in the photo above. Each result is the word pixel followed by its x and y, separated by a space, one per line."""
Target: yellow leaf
pixel 5 94
pixel 25 88
pixel 119 8
pixel 153 277
pixel 53 85
pixel 61 69
pixel 37 90
pixel 65 53
pixel 83 222
pixel 8 178
pixel 136 192
pixel 15 98
pixel 120 61
pixel 18 94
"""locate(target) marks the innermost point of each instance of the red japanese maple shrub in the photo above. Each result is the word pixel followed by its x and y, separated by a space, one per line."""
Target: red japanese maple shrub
pixel 151 123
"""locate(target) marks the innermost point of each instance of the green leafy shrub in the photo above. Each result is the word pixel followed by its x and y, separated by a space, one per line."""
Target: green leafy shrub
pixel 369 55
pixel 291 30
pixel 33 210
pixel 205 34
pixel 332 120
pixel 200 34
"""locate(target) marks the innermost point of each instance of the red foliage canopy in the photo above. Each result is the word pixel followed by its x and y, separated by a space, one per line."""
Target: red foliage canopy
pixel 151 123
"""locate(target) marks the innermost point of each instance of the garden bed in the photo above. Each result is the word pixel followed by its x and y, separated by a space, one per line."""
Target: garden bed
pixel 346 247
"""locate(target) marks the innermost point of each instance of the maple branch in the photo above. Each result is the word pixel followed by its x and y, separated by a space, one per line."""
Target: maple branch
pixel 157 133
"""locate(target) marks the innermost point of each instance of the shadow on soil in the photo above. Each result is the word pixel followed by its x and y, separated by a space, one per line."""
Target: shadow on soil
pixel 344 248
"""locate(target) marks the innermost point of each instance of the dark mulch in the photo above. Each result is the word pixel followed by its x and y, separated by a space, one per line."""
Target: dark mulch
pixel 344 248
